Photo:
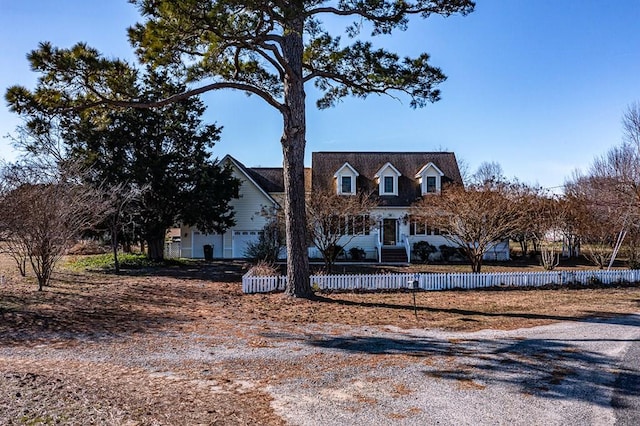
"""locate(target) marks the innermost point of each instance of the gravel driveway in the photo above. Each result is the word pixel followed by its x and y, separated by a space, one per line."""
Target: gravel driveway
pixel 560 374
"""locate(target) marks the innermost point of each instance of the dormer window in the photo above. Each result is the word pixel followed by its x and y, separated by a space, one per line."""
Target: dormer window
pixel 388 185
pixel 431 185
pixel 346 185
pixel 346 180
pixel 430 178
pixel 387 178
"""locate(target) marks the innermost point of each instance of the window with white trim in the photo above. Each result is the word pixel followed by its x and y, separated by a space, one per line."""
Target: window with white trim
pixel 388 185
pixel 430 178
pixel 356 225
pixel 417 227
pixel 387 178
pixel 346 180
pixel 431 186
pixel 350 225
pixel 346 185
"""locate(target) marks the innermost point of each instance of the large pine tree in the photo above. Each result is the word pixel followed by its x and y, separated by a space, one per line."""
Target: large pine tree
pixel 270 49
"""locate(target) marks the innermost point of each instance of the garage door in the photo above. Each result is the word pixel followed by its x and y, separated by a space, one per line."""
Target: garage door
pixel 241 240
pixel 200 240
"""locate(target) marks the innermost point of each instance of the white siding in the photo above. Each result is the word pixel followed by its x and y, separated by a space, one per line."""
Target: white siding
pixel 185 241
pixel 249 216
pixel 248 208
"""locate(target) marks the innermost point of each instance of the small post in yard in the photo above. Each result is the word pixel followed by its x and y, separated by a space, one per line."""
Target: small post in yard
pixel 414 286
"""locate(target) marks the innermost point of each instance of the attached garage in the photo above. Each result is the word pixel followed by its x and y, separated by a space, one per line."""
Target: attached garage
pixel 241 241
pixel 199 240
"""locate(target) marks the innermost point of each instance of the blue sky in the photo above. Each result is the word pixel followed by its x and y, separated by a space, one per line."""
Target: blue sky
pixel 538 86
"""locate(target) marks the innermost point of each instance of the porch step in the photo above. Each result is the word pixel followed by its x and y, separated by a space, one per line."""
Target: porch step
pixel 394 255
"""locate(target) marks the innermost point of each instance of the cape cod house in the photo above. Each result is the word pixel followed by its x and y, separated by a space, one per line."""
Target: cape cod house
pixel 397 178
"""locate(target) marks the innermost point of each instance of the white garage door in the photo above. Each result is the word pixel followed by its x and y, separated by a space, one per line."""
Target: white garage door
pixel 200 240
pixel 241 240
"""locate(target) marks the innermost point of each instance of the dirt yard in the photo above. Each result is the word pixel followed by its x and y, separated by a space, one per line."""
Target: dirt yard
pixel 98 348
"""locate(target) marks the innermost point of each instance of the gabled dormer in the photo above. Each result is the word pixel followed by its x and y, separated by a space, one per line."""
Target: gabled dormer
pixel 346 179
pixel 387 178
pixel 430 179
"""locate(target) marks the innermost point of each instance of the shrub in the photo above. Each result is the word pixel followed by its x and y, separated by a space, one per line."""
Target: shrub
pixel 105 261
pixel 423 250
pixel 357 253
pixel 448 252
pixel 264 269
pixel 88 247
pixel 268 246
pixel 333 251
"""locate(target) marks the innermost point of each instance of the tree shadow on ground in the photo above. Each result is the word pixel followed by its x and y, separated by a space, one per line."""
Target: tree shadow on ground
pixel 220 271
pixel 549 368
pixel 591 316
pixel 89 307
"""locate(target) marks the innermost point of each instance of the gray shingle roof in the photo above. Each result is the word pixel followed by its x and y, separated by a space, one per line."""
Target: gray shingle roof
pixel 271 179
pixel 325 164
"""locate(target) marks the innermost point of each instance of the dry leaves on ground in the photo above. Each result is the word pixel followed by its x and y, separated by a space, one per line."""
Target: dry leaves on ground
pixel 132 312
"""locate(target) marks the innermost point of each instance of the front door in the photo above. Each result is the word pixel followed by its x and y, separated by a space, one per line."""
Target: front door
pixel 389 230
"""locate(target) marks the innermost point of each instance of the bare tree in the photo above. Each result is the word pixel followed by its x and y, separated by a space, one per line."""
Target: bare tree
pixel 531 203
pixel 12 246
pixel 610 195
pixel 598 215
pixel 335 220
pixel 631 125
pixel 488 172
pixel 473 218
pixel 118 218
pixel 42 218
pixel 547 216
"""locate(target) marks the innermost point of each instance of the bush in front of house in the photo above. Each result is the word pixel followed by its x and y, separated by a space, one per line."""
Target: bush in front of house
pixel 423 250
pixel 357 253
pixel 334 251
pixel 268 246
pixel 448 253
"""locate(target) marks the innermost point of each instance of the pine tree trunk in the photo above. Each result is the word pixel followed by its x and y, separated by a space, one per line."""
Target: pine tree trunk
pixel 293 146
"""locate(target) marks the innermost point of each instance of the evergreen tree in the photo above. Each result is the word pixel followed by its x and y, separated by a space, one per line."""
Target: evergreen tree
pixel 163 154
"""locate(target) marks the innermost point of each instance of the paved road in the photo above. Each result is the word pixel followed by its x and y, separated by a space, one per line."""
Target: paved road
pixel 626 398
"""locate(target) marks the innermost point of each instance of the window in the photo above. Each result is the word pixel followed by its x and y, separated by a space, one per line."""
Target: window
pixel 362 225
pixel 387 179
pixel 355 225
pixel 430 178
pixel 418 228
pixel 431 184
pixel 345 183
pixel 345 180
pixel 388 185
pixel 422 228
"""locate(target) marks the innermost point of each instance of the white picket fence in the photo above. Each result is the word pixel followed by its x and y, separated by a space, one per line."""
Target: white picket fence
pixel 253 284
